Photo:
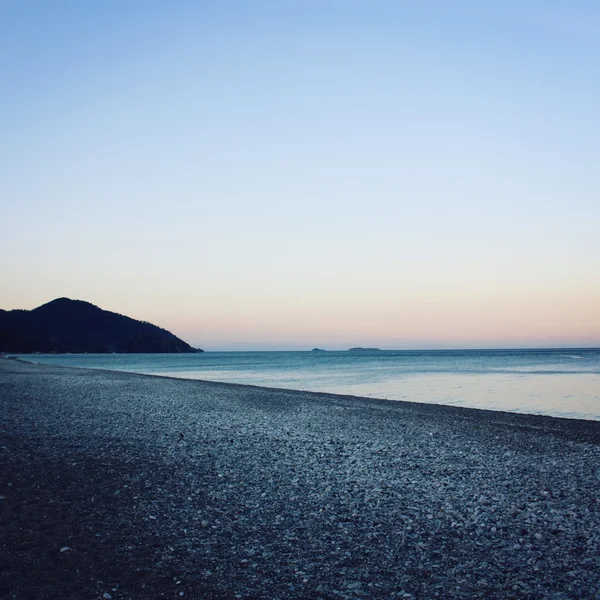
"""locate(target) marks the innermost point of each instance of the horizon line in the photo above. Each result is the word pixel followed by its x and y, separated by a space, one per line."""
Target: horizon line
pixel 450 349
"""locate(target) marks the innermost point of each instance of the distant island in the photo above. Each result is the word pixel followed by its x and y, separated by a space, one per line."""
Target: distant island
pixel 74 326
pixel 318 350
pixel 365 349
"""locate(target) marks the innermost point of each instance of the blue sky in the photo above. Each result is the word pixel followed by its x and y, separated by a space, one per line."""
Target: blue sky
pixel 296 173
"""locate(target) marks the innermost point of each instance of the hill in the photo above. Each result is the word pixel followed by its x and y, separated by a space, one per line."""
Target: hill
pixel 65 325
pixel 360 349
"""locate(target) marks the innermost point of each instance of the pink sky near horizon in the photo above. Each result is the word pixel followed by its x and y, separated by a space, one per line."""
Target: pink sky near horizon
pixel 535 322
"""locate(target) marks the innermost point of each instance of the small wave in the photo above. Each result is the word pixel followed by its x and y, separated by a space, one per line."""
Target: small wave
pixel 534 371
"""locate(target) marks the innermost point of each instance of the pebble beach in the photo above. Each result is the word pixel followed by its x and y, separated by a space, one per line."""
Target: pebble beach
pixel 124 486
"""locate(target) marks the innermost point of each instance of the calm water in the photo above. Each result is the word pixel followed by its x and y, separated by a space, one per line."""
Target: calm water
pixel 563 383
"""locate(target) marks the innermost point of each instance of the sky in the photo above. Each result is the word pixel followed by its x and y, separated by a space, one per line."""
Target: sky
pixel 298 173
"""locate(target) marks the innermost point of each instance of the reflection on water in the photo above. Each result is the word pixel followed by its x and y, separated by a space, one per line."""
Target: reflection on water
pixel 564 382
pixel 564 395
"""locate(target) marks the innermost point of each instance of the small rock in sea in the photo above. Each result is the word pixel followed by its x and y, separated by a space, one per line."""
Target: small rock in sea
pixel 65 548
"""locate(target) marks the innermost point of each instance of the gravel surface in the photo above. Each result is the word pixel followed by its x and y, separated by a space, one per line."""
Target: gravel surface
pixel 117 485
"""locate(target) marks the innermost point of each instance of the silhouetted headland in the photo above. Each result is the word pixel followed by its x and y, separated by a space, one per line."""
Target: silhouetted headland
pixel 65 325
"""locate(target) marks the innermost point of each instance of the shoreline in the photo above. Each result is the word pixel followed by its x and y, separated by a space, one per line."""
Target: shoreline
pixel 320 393
pixel 242 491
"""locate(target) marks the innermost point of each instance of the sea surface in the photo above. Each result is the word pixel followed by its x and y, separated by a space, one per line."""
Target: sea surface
pixel 562 382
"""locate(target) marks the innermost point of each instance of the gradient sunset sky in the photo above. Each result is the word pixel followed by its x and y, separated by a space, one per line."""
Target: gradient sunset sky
pixel 297 173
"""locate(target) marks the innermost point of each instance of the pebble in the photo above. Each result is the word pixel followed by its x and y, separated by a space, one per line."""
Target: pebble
pixel 65 548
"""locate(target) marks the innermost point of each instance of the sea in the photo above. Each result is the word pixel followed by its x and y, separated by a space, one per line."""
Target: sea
pixel 557 382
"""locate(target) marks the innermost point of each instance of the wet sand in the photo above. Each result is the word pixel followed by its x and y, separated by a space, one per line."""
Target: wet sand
pixel 141 487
